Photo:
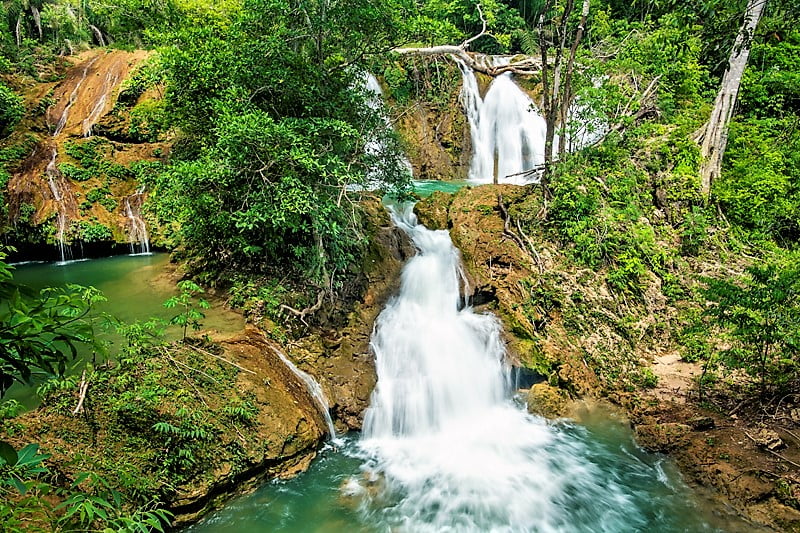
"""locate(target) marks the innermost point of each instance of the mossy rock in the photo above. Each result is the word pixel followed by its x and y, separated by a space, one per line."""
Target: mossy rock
pixel 547 401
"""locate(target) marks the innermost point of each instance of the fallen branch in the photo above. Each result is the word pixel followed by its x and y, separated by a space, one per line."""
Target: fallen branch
pixel 179 363
pixel 301 314
pixel 206 352
pixel 82 389
pixel 525 67
pixel 508 232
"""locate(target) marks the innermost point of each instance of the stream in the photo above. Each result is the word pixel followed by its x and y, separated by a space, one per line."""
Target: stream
pixel 447 445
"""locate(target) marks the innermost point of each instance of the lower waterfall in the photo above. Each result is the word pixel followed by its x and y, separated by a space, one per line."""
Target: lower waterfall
pixel 445 447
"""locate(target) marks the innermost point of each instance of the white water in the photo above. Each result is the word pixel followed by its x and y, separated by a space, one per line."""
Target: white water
pixel 54 181
pixel 314 389
pixel 443 443
pixel 109 82
pixel 73 97
pixel 507 131
pixel 137 228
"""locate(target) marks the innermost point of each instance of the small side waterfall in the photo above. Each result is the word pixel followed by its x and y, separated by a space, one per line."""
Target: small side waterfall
pixel 109 83
pixel 54 180
pixel 314 389
pixel 445 447
pixel 507 131
pixel 137 228
pixel 98 35
pixel 62 120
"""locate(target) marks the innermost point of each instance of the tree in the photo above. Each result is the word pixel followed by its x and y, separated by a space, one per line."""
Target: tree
pixel 714 135
pixel 762 312
pixel 274 139
pixel 42 332
pixel 552 32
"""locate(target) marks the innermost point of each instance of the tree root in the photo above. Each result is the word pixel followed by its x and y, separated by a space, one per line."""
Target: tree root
pixel 529 249
pixel 301 314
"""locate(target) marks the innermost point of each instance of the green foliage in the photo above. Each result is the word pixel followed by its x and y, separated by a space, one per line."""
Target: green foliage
pixel 191 313
pixel 257 298
pixel 42 333
pixel 275 138
pixel 74 173
pixel 101 195
pixel 88 504
pixel 759 189
pixel 771 83
pixel 762 315
pixel 183 436
pixel 11 109
pixel 93 231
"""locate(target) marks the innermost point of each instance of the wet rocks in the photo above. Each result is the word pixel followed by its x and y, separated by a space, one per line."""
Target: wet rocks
pixel 662 437
pixel 547 401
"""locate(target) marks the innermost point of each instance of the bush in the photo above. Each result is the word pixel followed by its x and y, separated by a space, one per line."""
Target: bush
pixel 11 110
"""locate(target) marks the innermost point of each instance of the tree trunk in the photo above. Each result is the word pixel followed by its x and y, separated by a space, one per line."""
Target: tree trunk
pixel 566 99
pixel 715 133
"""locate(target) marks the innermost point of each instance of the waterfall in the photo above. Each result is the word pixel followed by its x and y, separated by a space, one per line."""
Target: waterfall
pixel 109 83
pixel 37 19
pixel 98 34
pixel 137 228
pixel 507 131
pixel 54 181
pixel 444 446
pixel 62 121
pixel 314 389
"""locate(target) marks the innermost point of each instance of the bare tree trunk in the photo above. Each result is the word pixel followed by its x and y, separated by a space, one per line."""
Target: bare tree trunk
pixel 566 98
pixel 714 137
pixel 18 30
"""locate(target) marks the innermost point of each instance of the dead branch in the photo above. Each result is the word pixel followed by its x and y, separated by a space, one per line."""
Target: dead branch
pixel 179 363
pixel 466 43
pixel 206 352
pixel 476 62
pixel 776 454
pixel 535 253
pixel 508 232
pixel 301 314
pixel 82 389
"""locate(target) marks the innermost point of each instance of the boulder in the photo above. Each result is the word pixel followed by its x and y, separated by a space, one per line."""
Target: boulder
pixel 547 401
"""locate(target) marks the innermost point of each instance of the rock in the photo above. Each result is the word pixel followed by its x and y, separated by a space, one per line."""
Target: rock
pixel 702 423
pixel 546 401
pixel 432 212
pixel 662 437
pixel 766 438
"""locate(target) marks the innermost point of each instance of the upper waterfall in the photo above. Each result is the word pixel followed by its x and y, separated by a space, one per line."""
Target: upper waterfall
pixel 507 131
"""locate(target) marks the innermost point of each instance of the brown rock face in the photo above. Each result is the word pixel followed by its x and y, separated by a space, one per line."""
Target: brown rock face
pixel 341 360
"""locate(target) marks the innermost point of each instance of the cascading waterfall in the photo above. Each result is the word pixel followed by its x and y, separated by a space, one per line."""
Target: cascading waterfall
pixel 443 443
pixel 109 83
pixel 54 179
pixel 73 97
pixel 507 132
pixel 314 389
pixel 137 228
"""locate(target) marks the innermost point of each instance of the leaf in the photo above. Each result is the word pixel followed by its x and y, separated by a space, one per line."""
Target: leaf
pixel 8 453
